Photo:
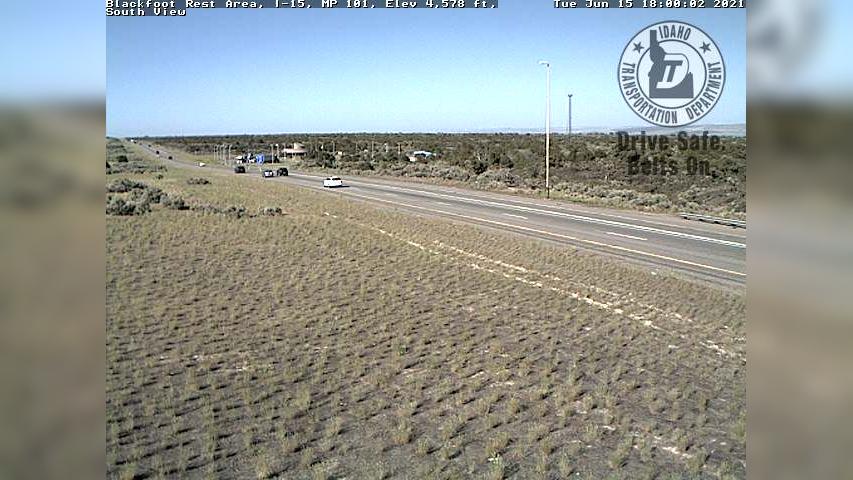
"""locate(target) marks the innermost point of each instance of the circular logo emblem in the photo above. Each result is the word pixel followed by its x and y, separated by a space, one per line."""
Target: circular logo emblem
pixel 671 74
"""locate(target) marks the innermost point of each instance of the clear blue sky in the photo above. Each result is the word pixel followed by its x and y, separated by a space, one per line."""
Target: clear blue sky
pixel 52 50
pixel 268 71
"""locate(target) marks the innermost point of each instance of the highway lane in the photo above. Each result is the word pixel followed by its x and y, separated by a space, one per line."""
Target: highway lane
pixel 719 258
pixel 709 252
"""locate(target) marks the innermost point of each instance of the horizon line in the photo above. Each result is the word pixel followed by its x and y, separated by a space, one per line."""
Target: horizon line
pixel 485 131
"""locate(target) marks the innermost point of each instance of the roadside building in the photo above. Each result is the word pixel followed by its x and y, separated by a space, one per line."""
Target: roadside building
pixel 297 150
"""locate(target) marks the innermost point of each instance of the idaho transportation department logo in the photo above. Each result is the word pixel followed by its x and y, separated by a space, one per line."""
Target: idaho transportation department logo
pixel 671 74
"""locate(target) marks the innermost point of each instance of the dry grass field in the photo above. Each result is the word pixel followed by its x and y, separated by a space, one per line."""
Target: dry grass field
pixel 336 340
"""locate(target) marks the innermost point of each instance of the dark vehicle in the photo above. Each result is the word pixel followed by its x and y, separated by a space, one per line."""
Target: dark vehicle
pixel 170 157
pixel 268 173
pixel 239 169
pixel 281 172
pixel 157 152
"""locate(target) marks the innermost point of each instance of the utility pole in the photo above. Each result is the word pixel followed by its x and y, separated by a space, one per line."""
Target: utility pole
pixel 569 122
pixel 570 115
pixel 547 127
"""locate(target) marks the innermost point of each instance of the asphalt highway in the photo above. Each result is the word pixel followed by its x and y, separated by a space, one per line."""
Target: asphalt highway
pixel 662 243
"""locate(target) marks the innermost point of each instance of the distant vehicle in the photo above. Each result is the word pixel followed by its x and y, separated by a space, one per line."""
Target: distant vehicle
pixel 281 172
pixel 332 182
pixel 268 173
pixel 239 169
pixel 202 164
pixel 157 152
pixel 170 157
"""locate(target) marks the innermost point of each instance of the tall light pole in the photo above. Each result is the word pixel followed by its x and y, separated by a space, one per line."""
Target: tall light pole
pixel 569 121
pixel 215 153
pixel 547 127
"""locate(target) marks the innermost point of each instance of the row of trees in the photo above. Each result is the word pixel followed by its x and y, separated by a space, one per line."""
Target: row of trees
pixel 477 153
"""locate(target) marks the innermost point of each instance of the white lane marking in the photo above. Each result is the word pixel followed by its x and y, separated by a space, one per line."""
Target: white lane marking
pixel 563 214
pixel 475 199
pixel 559 207
pixel 515 216
pixel 623 217
pixel 391 194
pixel 559 235
pixel 592 220
pixel 627 236
pixel 575 217
pixel 564 208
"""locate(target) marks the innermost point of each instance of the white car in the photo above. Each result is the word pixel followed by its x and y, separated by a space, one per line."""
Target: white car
pixel 331 182
pixel 202 164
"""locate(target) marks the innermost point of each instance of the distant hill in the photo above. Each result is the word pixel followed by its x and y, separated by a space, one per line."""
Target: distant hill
pixel 727 130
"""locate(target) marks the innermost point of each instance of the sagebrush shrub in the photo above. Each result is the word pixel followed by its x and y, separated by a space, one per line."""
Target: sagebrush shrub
pixel 174 202
pixel 271 211
pixel 124 185
pixel 121 207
